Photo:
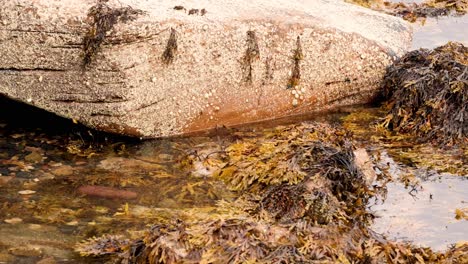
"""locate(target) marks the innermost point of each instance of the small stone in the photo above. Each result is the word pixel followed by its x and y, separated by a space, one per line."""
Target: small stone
pixel 41 78
pixel 63 171
pixel 6 258
pixel 301 97
pixel 296 96
pixel 72 223
pixel 303 90
pixel 49 260
pixel 5 179
pixel 24 175
pixel 15 220
pixel 29 100
pixel 154 79
pixel 107 192
pixel 34 226
pixel 25 251
pixel 27 192
pixel 33 157
pixel 363 56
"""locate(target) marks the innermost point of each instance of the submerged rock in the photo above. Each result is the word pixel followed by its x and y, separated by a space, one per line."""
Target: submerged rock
pixel 152 69
pixel 107 192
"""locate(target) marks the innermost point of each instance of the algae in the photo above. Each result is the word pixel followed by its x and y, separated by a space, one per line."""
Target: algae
pixel 413 12
pixel 297 57
pixel 103 19
pixel 251 55
pixel 428 94
pixel 171 48
pixel 301 198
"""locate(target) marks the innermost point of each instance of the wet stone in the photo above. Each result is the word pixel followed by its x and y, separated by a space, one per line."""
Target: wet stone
pixel 25 251
pixel 49 260
pixel 63 171
pixel 4 171
pixel 6 258
pixel 24 175
pixel 33 157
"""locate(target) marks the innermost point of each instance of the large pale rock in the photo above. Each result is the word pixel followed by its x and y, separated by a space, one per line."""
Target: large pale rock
pixel 238 62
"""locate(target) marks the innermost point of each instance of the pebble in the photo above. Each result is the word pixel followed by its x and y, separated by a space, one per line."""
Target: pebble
pixel 6 258
pixel 33 157
pixel 26 192
pixel 15 220
pixel 49 260
pixel 72 223
pixel 25 251
pixel 107 192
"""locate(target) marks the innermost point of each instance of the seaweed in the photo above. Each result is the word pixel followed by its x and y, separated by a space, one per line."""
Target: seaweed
pixel 171 48
pixel 297 57
pixel 413 12
pixel 103 19
pixel 286 185
pixel 252 54
pixel 427 94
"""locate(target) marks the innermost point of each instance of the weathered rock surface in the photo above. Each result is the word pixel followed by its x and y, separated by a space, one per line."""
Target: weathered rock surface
pixel 171 70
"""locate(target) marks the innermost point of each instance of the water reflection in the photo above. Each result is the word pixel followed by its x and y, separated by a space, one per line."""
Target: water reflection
pixel 423 214
pixel 438 31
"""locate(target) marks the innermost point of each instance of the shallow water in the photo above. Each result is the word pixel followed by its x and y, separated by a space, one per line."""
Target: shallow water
pixel 423 214
pixel 42 206
pixel 438 31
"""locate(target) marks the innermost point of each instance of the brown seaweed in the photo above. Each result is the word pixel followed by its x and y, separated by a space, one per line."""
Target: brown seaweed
pixel 413 11
pixel 103 19
pixel 428 94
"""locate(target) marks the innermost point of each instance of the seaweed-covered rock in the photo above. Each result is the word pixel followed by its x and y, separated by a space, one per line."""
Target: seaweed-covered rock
pixel 416 11
pixel 157 68
pixel 428 94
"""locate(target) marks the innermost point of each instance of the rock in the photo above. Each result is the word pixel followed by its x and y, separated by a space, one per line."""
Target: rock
pixel 6 258
pixel 25 251
pixel 119 164
pixel 33 157
pixel 49 260
pixel 365 164
pixel 64 170
pixel 14 220
pixel 47 239
pixel 27 192
pixel 162 71
pixel 4 180
pixel 107 192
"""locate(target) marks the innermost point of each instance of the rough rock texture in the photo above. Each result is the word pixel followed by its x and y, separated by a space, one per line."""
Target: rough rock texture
pixel 157 69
